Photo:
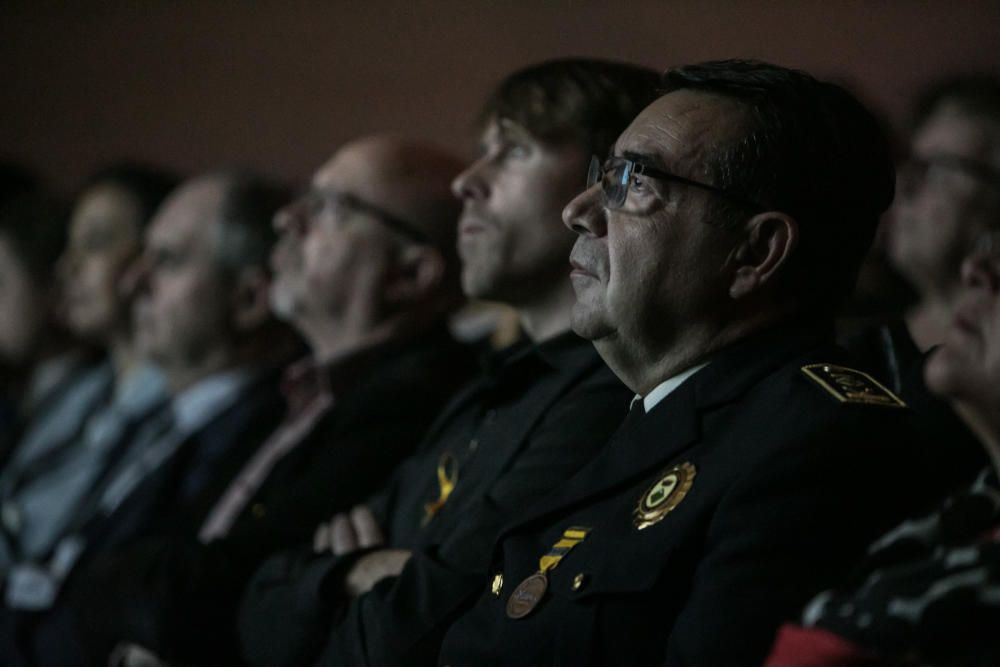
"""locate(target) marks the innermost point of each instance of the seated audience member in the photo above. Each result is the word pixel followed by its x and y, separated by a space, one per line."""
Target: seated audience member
pixel 754 462
pixel 78 432
pixel 946 194
pixel 952 156
pixel 201 314
pixel 38 359
pixel 927 591
pixel 365 269
pixel 542 410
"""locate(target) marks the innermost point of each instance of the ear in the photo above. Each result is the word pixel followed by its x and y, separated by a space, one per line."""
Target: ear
pixel 768 243
pixel 419 271
pixel 251 304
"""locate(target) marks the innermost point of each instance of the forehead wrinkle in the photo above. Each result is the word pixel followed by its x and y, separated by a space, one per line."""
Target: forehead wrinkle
pixel 680 135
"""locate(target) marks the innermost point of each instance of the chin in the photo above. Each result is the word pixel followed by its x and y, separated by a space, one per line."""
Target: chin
pixel 588 325
pixel 947 373
pixel 478 284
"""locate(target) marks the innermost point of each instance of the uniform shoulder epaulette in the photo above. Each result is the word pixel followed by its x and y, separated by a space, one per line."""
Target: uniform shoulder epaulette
pixel 851 386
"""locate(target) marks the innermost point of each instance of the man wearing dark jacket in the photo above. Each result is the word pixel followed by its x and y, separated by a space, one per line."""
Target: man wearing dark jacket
pixel 542 410
pixel 713 248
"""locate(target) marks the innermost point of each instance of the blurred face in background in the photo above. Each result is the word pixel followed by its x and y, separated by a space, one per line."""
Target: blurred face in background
pixel 183 296
pixel 24 305
pixel 332 255
pixel 967 366
pixel 104 237
pixel 511 239
pixel 948 195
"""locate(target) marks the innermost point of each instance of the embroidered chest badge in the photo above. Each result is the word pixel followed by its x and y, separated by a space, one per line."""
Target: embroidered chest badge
pixel 664 495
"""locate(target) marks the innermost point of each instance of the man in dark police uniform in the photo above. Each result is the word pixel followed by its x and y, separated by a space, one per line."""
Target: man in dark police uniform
pixel 714 247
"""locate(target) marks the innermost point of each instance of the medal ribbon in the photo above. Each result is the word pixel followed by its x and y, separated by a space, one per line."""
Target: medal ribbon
pixel 447 474
pixel 571 537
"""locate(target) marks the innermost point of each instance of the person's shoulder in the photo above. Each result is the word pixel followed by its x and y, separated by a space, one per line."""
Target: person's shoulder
pixel 823 396
pixel 833 384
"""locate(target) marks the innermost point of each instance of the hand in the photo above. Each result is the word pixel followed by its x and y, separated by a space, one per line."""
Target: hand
pixel 132 655
pixel 348 532
pixel 372 568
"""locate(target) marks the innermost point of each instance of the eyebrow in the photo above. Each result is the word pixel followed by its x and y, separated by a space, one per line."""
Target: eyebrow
pixel 510 129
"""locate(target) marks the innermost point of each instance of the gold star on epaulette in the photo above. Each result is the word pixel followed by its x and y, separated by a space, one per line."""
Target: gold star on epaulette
pixel 851 386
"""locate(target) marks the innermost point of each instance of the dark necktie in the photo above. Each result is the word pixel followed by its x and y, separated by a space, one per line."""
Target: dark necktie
pixel 636 412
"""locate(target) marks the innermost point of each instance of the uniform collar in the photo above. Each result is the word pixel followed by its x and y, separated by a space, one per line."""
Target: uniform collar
pixel 665 388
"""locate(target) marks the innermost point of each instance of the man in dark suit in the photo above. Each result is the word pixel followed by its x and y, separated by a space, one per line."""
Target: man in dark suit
pixel 200 310
pixel 713 248
pixel 542 410
pixel 365 269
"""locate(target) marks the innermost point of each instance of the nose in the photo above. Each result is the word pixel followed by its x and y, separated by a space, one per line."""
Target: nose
pixel 290 218
pixel 135 279
pixel 471 183
pixel 585 213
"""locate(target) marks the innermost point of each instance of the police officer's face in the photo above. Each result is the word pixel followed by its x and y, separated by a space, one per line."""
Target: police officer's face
pixel 967 366
pixel 944 203
pixel 511 242
pixel 645 273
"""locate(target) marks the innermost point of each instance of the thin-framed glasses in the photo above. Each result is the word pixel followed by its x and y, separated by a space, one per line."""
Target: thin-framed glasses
pixel 316 201
pixel 615 175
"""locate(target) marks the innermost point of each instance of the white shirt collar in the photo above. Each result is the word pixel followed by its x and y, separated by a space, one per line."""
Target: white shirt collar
pixel 142 388
pixel 665 388
pixel 199 403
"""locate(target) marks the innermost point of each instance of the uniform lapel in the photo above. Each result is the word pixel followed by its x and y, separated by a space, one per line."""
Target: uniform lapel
pixel 635 449
pixel 513 442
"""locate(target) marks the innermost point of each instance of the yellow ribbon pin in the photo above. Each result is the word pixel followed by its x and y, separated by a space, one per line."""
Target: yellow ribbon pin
pixel 447 474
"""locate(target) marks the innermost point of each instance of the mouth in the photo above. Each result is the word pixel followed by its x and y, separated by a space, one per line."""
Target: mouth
pixel 279 257
pixel 470 227
pixel 580 270
pixel 472 223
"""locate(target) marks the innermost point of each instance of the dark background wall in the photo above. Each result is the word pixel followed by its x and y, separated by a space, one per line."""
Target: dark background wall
pixel 278 85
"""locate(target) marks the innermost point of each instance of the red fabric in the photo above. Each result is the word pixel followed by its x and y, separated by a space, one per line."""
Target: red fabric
pixel 796 646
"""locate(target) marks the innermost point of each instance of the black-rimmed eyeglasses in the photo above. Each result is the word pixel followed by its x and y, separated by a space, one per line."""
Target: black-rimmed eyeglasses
pixel 317 200
pixel 616 173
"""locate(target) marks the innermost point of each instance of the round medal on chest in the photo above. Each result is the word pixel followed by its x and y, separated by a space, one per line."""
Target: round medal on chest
pixel 527 595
